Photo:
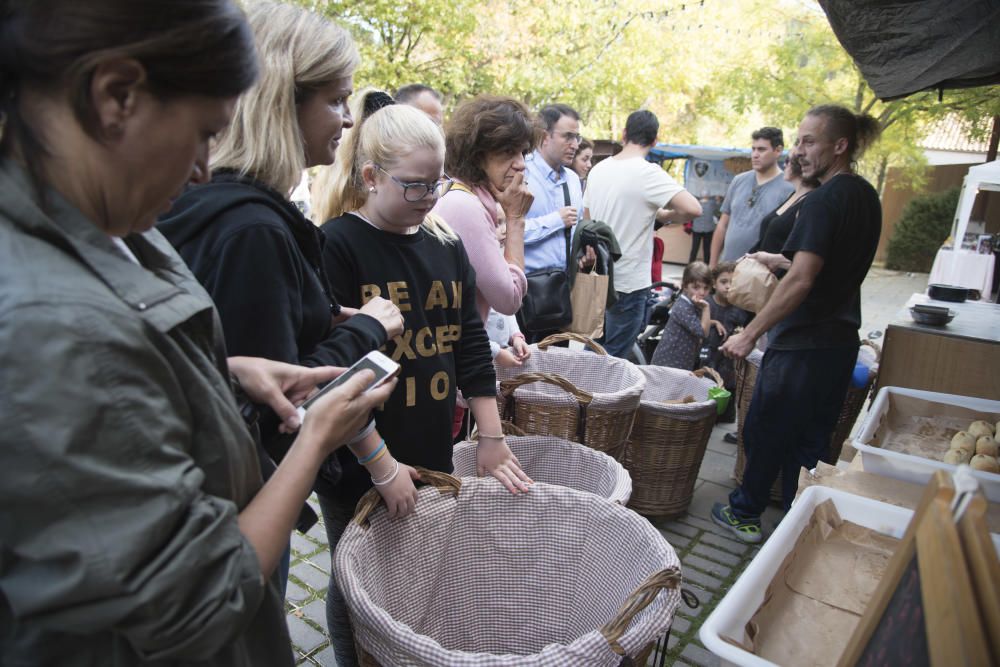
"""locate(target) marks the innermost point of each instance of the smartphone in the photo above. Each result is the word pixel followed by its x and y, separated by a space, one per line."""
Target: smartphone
pixel 383 367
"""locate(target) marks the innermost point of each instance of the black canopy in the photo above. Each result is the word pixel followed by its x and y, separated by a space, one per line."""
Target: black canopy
pixel 903 47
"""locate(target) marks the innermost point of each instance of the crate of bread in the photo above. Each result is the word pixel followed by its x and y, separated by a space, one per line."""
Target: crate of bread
pixel 908 434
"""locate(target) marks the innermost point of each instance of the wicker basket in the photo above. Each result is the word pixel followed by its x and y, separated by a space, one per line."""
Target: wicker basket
pixel 556 461
pixel 668 440
pixel 478 576
pixel 746 378
pixel 585 397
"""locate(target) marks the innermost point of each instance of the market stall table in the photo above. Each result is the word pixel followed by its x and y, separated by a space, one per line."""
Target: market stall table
pixel 963 268
pixel 962 357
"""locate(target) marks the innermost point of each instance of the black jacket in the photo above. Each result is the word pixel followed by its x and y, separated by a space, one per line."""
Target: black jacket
pixel 261 261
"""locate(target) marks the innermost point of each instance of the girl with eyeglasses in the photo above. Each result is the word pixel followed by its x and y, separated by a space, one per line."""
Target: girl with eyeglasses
pixel 386 242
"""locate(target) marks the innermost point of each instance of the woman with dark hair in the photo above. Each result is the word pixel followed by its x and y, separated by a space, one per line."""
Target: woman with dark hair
pixel 582 161
pixel 486 141
pixel 777 225
pixel 136 526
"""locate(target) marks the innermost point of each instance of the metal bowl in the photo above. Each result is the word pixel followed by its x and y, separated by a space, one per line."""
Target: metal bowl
pixel 935 318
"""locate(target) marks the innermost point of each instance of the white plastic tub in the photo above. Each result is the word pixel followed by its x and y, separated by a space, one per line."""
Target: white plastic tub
pixel 745 597
pixel 908 467
pixel 743 600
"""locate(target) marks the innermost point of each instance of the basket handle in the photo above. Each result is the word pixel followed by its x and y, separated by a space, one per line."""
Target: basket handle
pixel 506 427
pixel 580 338
pixel 443 482
pixel 507 387
pixel 710 372
pixel 639 600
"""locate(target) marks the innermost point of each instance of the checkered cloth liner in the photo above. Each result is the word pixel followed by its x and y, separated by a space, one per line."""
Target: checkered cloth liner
pixel 615 383
pixel 671 384
pixel 557 461
pixel 490 578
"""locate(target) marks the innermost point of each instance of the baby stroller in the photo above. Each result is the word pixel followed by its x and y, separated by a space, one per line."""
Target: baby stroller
pixel 662 297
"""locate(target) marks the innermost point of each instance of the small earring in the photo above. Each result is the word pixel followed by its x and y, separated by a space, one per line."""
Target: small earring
pixel 371 189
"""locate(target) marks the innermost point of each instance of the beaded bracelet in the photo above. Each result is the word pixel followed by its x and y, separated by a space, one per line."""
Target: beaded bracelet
pixel 491 437
pixel 389 478
pixel 371 457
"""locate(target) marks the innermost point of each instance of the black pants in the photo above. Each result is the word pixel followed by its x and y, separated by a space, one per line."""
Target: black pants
pixel 705 239
pixel 794 409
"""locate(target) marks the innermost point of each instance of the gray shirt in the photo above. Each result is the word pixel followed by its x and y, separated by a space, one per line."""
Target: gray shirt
pixel 747 204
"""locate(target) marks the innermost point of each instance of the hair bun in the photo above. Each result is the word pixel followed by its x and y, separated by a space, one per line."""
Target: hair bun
pixel 376 100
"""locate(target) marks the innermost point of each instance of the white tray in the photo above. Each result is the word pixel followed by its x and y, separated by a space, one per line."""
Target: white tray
pixel 745 597
pixel 908 467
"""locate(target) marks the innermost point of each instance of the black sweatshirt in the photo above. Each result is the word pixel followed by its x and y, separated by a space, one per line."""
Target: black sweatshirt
pixel 261 261
pixel 443 346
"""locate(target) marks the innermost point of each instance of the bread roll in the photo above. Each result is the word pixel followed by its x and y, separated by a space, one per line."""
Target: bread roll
pixel 978 429
pixel 984 463
pixel 986 446
pixel 964 441
pixel 957 457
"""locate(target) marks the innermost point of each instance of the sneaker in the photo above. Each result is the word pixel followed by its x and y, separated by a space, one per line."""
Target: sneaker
pixel 731 438
pixel 746 530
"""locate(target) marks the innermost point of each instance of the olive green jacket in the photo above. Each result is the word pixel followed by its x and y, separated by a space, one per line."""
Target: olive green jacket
pixel 123 458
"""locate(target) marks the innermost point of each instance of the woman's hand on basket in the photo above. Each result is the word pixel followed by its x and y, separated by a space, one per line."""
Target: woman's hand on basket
pixel 400 495
pixel 494 457
pixel 507 359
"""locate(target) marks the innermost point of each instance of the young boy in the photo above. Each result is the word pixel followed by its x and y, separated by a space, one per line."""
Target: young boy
pixel 690 320
pixel 728 317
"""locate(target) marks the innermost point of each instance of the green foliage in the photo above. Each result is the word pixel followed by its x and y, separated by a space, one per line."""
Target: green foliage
pixel 923 227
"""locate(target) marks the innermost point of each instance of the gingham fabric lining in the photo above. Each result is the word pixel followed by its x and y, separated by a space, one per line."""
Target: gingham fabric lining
pixel 491 578
pixel 615 383
pixel 557 461
pixel 670 384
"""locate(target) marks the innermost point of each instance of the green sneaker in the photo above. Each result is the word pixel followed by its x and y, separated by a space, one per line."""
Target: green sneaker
pixel 745 530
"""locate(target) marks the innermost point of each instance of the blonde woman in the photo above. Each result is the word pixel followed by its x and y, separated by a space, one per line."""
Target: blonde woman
pixel 384 241
pixel 251 248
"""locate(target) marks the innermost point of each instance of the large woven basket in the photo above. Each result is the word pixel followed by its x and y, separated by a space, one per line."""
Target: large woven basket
pixel 668 440
pixel 557 461
pixel 478 576
pixel 581 396
pixel 746 378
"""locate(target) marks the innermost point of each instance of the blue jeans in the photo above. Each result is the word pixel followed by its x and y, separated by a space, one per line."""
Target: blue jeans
pixel 336 516
pixel 795 405
pixel 624 321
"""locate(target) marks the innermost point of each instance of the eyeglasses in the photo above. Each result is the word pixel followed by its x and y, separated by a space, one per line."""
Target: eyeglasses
pixel 754 195
pixel 569 136
pixel 414 192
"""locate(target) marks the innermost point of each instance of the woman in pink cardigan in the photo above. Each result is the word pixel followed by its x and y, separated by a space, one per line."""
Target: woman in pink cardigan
pixel 486 141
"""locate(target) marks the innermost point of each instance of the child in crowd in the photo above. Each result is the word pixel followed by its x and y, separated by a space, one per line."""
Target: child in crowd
pixel 728 317
pixel 689 321
pixel 507 343
pixel 389 174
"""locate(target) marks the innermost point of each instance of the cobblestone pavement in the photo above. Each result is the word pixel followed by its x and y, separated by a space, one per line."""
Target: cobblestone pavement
pixel 711 560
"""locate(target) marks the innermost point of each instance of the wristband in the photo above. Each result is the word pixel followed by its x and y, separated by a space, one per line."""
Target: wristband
pixel 371 457
pixel 388 478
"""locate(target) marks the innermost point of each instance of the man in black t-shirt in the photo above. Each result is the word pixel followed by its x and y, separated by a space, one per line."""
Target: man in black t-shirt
pixel 813 318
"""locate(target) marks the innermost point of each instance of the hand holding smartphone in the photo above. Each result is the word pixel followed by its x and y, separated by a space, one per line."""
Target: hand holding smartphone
pixel 383 367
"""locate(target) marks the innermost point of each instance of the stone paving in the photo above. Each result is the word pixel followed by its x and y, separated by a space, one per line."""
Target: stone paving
pixel 711 560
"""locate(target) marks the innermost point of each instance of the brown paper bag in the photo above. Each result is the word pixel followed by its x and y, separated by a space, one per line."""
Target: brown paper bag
pixel 589 299
pixel 752 285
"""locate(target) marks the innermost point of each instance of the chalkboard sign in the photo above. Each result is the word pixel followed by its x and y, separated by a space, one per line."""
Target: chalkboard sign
pixel 900 638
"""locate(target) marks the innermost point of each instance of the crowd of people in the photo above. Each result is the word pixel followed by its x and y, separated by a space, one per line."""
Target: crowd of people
pixel 165 306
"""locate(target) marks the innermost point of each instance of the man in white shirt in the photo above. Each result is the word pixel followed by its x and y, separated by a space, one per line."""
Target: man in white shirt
pixel 629 194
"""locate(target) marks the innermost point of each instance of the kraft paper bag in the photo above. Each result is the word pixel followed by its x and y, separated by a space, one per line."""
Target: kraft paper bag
pixel 589 299
pixel 752 285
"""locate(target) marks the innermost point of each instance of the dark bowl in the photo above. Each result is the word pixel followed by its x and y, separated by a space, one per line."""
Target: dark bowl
pixel 947 293
pixel 933 319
